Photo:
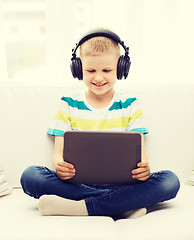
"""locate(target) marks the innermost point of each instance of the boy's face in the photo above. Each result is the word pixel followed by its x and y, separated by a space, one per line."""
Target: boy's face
pixel 100 72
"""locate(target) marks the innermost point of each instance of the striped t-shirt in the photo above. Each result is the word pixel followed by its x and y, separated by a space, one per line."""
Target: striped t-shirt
pixel 75 113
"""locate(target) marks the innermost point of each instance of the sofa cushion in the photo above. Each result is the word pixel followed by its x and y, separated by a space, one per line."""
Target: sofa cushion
pixel 28 112
pixel 20 220
pixel 172 220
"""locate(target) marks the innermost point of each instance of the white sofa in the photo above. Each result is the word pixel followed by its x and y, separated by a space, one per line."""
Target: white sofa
pixel 26 112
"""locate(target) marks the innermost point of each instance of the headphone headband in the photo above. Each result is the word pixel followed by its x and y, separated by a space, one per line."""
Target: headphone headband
pixel 100 33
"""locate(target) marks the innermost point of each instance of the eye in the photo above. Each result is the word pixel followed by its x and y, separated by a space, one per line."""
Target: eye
pixel 107 70
pixel 91 70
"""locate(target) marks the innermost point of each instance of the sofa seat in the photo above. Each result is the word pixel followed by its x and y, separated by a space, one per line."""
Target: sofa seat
pixel 172 220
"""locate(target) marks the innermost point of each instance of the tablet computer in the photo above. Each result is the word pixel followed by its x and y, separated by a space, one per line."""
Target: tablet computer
pixel 102 157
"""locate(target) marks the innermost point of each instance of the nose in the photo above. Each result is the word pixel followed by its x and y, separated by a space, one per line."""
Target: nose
pixel 98 77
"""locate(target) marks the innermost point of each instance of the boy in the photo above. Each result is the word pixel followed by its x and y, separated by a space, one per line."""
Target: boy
pixel 99 108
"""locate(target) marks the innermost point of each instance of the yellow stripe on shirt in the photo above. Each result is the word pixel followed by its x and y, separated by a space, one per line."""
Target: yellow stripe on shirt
pixel 137 114
pixel 62 116
pixel 97 124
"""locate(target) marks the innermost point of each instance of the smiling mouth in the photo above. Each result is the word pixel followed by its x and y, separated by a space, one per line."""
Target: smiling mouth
pixel 99 85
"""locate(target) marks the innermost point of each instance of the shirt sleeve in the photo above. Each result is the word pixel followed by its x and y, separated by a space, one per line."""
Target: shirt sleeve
pixel 136 119
pixel 62 120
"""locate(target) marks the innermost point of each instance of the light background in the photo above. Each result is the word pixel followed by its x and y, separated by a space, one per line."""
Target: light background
pixel 37 37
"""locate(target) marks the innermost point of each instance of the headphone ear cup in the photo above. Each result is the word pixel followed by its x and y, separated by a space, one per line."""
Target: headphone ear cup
pixel 120 68
pixel 123 67
pixel 127 67
pixel 76 68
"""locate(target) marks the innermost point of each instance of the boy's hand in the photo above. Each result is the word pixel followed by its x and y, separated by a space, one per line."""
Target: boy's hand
pixel 141 173
pixel 65 170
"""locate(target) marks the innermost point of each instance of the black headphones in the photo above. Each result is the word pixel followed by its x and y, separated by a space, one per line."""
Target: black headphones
pixel 123 64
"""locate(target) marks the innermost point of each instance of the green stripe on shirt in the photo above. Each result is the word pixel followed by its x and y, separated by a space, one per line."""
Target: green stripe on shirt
pixel 75 103
pixel 120 105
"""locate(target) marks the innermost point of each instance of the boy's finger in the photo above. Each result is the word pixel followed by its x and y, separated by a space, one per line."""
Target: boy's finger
pixel 65 170
pixel 142 176
pixel 66 177
pixel 139 170
pixel 66 164
pixel 142 164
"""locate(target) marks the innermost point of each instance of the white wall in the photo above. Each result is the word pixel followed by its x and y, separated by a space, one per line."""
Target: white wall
pixel 3 66
pixel 160 35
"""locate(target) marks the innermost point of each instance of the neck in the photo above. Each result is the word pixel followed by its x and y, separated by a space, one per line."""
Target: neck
pixel 99 101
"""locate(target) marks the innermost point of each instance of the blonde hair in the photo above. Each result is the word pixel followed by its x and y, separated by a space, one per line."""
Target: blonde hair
pixel 99 45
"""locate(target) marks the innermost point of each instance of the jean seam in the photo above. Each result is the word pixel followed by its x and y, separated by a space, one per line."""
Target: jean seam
pixel 47 171
pixel 89 205
pixel 116 192
pixel 89 201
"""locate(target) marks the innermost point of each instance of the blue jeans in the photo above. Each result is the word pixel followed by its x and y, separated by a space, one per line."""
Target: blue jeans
pixel 102 200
